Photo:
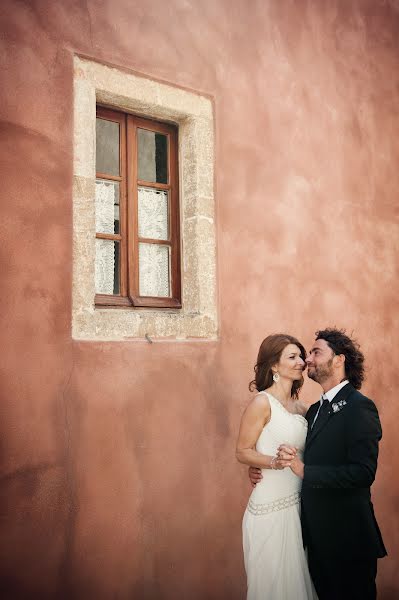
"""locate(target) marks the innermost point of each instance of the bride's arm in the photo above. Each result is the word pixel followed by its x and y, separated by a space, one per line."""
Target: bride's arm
pixel 255 417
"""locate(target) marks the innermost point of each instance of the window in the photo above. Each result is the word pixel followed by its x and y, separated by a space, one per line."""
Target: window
pixel 137 212
pixel 110 220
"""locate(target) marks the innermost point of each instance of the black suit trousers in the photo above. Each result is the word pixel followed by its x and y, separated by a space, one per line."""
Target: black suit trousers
pixel 340 579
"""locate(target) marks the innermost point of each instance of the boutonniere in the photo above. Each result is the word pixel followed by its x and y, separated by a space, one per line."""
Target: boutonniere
pixel 337 406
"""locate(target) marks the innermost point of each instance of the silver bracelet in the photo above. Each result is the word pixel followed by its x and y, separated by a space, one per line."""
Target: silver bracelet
pixel 273 460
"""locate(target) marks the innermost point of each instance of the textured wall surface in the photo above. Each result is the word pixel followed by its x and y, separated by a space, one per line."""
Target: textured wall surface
pixel 118 475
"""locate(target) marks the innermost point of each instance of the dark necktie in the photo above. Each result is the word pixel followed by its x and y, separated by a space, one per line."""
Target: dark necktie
pixel 325 405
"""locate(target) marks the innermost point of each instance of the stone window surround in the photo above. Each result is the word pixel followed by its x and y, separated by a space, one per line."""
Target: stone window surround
pixel 120 89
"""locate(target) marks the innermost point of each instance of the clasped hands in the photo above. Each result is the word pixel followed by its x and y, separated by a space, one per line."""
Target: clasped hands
pixel 287 456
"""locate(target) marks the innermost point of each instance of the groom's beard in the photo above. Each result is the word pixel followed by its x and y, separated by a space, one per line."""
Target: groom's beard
pixel 321 373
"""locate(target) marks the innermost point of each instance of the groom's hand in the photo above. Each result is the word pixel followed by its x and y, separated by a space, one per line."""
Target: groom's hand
pixel 298 467
pixel 255 475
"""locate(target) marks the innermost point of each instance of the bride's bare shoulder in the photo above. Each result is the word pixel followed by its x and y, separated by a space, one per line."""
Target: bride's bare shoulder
pixel 260 399
pixel 259 403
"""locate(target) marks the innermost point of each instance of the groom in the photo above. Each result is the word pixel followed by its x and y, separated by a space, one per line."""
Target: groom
pixel 339 528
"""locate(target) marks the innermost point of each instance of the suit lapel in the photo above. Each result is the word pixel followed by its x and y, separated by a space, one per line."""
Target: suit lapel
pixel 319 426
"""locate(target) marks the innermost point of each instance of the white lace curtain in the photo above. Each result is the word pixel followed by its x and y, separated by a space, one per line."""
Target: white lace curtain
pixel 154 259
pixel 105 249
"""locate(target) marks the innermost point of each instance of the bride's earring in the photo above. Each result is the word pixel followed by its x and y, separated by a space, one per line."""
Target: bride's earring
pixel 276 377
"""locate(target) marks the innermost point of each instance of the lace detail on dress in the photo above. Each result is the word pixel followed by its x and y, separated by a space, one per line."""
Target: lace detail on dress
pixel 280 504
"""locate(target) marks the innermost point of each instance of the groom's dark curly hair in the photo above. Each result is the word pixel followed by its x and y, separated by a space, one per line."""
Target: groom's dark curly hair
pixel 341 343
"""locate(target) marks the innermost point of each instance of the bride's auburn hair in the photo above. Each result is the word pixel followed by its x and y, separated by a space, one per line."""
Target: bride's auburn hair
pixel 269 355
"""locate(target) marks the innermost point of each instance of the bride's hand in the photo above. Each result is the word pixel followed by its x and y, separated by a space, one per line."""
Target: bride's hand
pixel 286 452
pixel 284 456
pixel 280 463
pixel 289 454
pixel 287 457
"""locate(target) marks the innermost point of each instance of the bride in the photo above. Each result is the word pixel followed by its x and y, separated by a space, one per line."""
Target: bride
pixel 274 557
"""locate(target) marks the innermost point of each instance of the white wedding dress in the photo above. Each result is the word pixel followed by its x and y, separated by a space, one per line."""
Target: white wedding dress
pixel 274 557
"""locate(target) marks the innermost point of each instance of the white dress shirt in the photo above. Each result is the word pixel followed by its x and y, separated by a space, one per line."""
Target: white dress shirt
pixel 329 395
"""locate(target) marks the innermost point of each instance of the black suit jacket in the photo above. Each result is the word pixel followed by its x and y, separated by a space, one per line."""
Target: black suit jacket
pixel 340 465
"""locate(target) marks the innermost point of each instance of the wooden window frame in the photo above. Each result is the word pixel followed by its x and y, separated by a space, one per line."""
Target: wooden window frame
pixel 128 213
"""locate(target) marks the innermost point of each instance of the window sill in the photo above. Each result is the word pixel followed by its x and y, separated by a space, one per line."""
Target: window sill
pixel 105 301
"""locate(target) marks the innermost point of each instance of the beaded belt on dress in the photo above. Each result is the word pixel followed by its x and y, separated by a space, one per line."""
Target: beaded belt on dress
pixel 280 504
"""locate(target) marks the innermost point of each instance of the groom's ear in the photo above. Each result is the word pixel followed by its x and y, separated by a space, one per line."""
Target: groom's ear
pixel 339 360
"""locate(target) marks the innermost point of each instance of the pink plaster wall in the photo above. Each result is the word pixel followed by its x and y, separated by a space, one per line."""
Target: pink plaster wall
pixel 118 471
